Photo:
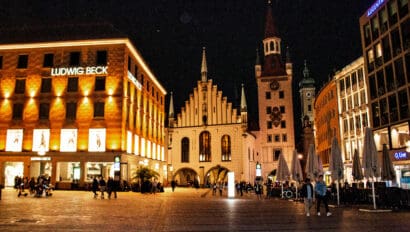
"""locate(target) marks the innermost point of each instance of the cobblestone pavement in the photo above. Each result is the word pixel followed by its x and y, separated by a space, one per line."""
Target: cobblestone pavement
pixel 185 209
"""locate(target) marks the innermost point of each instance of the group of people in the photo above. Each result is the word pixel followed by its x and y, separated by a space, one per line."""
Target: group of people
pixel 110 186
pixel 321 195
pixel 35 187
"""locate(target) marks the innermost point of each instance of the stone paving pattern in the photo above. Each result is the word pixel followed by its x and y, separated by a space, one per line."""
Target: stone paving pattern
pixel 186 209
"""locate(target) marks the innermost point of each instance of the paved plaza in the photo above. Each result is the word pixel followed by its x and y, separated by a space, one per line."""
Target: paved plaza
pixel 186 209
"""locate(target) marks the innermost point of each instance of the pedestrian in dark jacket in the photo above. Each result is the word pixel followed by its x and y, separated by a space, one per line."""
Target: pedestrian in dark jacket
pixel 103 186
pixel 307 194
pixel 94 187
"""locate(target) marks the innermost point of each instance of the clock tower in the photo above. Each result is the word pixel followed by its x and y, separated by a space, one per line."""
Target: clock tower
pixel 307 97
pixel 275 104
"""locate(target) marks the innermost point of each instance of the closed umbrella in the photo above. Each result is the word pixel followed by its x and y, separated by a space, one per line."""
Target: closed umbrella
pixel 336 165
pixel 282 173
pixel 387 172
pixel 296 170
pixel 312 164
pixel 357 171
pixel 370 162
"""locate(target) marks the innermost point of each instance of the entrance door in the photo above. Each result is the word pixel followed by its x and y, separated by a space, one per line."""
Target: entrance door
pixel 39 168
pixel 11 170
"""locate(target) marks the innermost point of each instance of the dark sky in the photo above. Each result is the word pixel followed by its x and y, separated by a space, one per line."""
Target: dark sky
pixel 170 35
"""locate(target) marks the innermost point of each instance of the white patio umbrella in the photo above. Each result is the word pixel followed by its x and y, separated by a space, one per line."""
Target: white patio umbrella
pixel 296 170
pixel 387 172
pixel 282 173
pixel 336 165
pixel 312 164
pixel 370 163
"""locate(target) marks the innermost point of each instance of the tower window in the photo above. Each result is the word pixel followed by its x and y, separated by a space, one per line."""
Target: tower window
pixel 283 124
pixel 268 110
pixel 269 138
pixel 277 138
pixel 284 138
pixel 267 95
pixel 309 108
pixel 269 124
pixel 276 154
pixel 281 94
pixel 282 109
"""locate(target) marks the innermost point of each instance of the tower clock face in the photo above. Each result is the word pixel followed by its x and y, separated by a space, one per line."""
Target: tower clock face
pixel 308 94
pixel 274 85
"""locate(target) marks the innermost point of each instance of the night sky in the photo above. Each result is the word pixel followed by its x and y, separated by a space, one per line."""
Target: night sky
pixel 170 35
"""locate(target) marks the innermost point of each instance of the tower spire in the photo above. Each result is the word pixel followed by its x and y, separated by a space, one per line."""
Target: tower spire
pixel 243 99
pixel 204 68
pixel 305 71
pixel 270 26
pixel 171 106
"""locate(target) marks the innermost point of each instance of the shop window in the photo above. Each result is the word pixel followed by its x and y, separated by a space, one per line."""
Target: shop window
pixel 20 86
pixel 99 109
pixel 185 150
pixel 48 61
pixel 17 111
pixel 45 85
pixel 381 137
pixel 22 61
pixel 101 58
pixel 99 84
pixel 44 111
pixel 400 135
pixel 226 148
pixel 72 85
pixel 403 105
pixel 74 58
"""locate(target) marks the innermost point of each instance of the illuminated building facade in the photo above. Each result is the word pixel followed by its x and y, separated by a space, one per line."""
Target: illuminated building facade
pixel 385 35
pixel 275 103
pixel 353 111
pixel 326 125
pixel 209 137
pixel 68 108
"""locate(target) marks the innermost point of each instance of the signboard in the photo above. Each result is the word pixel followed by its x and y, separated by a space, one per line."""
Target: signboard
pixel 117 163
pixel 134 80
pixel 14 140
pixel 74 71
pixel 376 5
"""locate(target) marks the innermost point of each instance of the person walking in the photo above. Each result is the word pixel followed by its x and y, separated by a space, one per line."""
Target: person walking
pixel 321 190
pixel 221 187
pixel 307 194
pixel 94 187
pixel 173 184
pixel 214 189
pixel 110 185
pixel 103 185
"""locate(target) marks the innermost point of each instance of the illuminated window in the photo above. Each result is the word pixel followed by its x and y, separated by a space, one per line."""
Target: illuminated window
pixel 99 84
pixel 44 110
pixel 226 148
pixel 205 146
pixel 101 58
pixel 22 61
pixel 99 109
pixel 48 61
pixel 45 85
pixel 17 111
pixel 20 86
pixel 71 110
pixel 72 85
pixel 185 150
pixel 75 58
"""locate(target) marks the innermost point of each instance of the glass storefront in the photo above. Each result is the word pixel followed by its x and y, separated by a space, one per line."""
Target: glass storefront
pixel 38 168
pixel 72 171
pixel 11 170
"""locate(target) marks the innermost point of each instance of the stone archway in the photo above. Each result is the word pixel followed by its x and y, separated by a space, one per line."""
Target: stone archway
pixel 186 177
pixel 216 174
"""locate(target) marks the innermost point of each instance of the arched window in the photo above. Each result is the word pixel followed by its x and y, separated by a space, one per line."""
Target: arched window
pixel 205 147
pixel 226 148
pixel 272 46
pixel 185 150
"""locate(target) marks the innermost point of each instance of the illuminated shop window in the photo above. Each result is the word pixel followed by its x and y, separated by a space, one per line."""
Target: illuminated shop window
pixel 68 140
pixel 400 135
pixel 41 140
pixel 381 137
pixel 14 140
pixel 96 139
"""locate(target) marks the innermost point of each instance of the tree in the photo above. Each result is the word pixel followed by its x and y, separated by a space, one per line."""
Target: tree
pixel 143 175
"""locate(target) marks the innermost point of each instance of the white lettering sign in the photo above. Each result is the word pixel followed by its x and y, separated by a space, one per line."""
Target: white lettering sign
pixel 134 80
pixel 73 71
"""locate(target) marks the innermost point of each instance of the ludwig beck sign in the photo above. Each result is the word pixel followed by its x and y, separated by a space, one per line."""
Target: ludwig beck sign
pixel 72 71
